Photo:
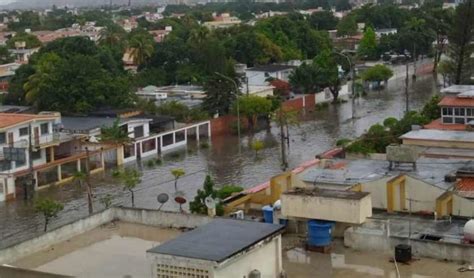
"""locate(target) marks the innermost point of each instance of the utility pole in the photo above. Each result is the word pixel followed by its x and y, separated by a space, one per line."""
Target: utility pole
pixel 406 89
pixel 414 62
pixel 88 183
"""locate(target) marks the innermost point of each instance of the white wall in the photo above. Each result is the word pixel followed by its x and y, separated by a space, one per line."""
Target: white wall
pixel 265 257
pixel 463 206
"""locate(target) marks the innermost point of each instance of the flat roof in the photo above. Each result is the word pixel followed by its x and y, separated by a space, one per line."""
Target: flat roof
pixel 84 124
pixel 429 170
pixel 218 240
pixel 328 193
pixel 440 135
pixel 457 89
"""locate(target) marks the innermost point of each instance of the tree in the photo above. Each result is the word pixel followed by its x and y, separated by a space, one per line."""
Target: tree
pixel 81 178
pixel 368 45
pixel 328 73
pixel 439 20
pixel 30 40
pixel 257 145
pixel 343 5
pixel 39 80
pixel 285 118
pixel 460 37
pixel 377 73
pixel 220 94
pixel 431 110
pixel 347 26
pixel 49 209
pixel 446 69
pixel 303 79
pixel 253 106
pixel 106 200
pixel 198 205
pixel 130 178
pixel 324 20
pixel 5 56
pixel 177 173
pixel 141 48
pixel 114 134
pixel 112 35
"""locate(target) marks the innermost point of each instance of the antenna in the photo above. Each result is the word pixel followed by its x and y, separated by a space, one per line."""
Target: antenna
pixel 162 199
pixel 211 206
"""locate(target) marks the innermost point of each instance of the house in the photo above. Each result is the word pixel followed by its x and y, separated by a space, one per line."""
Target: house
pixel 224 20
pixel 385 32
pixel 152 93
pixel 259 75
pixel 7 71
pixel 159 35
pixel 256 90
pixel 22 135
pixel 22 55
pixel 221 248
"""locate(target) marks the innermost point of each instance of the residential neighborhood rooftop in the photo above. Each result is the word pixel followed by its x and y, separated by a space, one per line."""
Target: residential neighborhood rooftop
pixel 457 101
pixel 457 89
pixel 271 68
pixel 218 240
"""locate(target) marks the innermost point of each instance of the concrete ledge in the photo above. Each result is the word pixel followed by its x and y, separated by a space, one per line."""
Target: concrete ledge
pixel 133 215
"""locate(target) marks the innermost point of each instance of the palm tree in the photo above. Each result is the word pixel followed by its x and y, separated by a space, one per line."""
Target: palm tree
pixel 81 178
pixel 112 35
pixel 43 69
pixel 199 35
pixel 114 134
pixel 141 48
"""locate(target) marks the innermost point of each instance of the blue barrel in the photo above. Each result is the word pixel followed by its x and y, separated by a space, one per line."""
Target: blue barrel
pixel 268 214
pixel 319 232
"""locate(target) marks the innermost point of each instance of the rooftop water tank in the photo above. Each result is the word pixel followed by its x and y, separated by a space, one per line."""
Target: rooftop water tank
pixel 469 230
pixel 319 233
pixel 268 214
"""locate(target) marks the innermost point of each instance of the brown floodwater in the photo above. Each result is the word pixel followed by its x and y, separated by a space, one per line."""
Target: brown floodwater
pixel 316 133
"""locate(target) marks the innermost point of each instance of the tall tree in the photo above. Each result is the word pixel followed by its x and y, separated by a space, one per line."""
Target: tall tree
pixel 141 48
pixel 220 94
pixel 328 73
pixel 460 36
pixel 253 106
pixel 368 45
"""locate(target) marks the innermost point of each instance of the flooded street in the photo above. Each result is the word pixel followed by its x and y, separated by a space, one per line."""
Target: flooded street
pixel 317 133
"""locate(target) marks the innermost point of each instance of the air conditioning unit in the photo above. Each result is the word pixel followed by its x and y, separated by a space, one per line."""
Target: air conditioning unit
pixel 237 215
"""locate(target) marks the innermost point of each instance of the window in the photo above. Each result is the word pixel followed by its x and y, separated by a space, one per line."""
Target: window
pixel 459 111
pixel 447 120
pixel 23 131
pixel 44 128
pixel 138 131
pixel 3 137
pixel 459 120
pixel 469 112
pixel 447 111
pixel 36 155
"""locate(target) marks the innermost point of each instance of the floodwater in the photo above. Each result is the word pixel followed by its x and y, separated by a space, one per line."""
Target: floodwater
pixel 223 160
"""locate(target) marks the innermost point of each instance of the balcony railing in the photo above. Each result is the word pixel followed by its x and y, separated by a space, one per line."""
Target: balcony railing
pixel 45 139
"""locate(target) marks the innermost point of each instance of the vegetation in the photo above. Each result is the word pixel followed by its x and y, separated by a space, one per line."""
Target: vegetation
pixel 252 107
pixel 257 145
pixel 180 112
pixel 368 45
pixel 130 178
pixel 106 201
pixel 220 94
pixel 378 137
pixel 114 134
pixel 49 208
pixel 177 173
pixel 30 40
pixel 198 205
pixel 377 73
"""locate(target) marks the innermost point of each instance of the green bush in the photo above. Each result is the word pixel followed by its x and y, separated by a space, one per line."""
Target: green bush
pixel 343 142
pixel 390 122
pixel 228 190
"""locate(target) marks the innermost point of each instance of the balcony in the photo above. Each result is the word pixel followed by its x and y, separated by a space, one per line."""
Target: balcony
pixel 45 140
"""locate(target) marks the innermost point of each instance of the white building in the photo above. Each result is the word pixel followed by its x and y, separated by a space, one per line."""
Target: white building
pixel 15 140
pixel 260 74
pixel 152 93
pixel 220 249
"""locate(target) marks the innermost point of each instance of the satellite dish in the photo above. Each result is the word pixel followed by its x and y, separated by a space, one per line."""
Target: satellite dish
pixel 162 199
pixel 210 202
pixel 181 201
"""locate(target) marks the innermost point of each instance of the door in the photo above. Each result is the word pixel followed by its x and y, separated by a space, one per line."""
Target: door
pixel 10 139
pixel 36 136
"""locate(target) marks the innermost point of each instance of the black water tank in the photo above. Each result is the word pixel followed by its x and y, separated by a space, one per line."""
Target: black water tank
pixel 403 253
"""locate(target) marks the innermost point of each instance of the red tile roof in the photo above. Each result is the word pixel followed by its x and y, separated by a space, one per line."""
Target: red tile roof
pixel 10 119
pixel 456 101
pixel 465 187
pixel 437 124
